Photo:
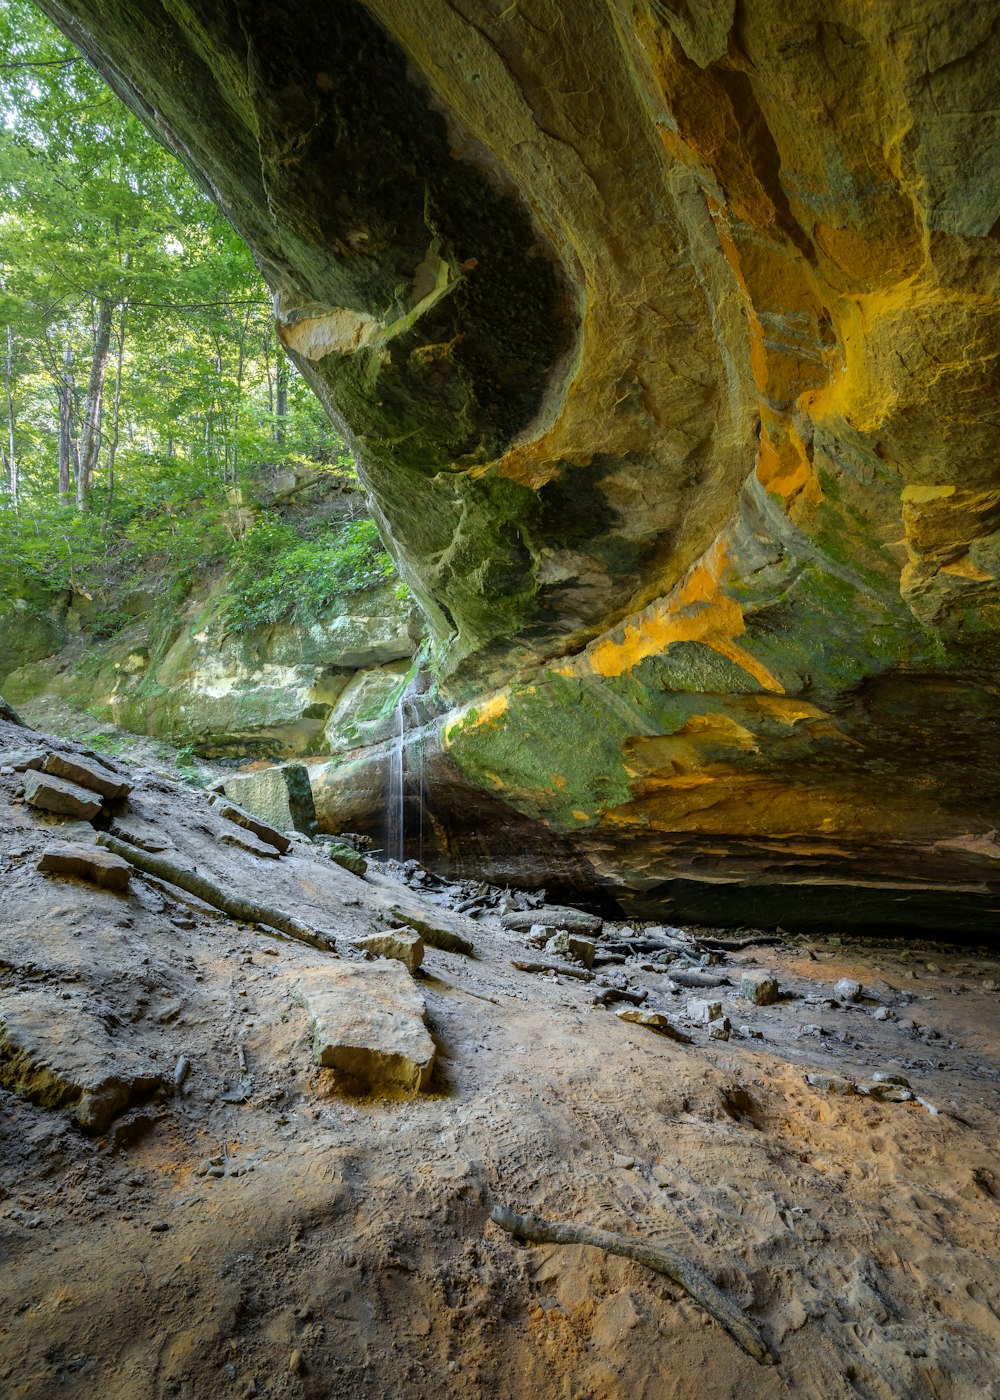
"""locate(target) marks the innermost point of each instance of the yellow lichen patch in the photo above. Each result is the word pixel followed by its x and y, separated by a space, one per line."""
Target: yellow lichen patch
pixel 580 816
pixel 784 709
pixel 557 780
pixel 965 568
pixel 737 804
pixel 698 610
pixel 784 468
pixel 919 495
pixel 485 712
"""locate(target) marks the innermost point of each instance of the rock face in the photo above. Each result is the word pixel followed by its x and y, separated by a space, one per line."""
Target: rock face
pixel 279 689
pixel 667 336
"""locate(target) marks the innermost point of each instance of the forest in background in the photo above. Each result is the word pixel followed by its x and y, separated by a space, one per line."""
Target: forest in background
pixel 148 409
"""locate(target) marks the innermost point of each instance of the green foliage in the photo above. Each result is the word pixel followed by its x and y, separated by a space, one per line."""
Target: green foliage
pixel 279 571
pixel 203 421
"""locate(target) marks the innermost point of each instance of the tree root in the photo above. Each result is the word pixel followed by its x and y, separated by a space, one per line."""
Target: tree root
pixel 248 911
pixel 658 1257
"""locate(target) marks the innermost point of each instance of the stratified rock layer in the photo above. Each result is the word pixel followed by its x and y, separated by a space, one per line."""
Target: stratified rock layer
pixel 667 337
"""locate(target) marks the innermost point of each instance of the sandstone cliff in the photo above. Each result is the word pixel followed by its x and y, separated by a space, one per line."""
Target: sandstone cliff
pixel 666 336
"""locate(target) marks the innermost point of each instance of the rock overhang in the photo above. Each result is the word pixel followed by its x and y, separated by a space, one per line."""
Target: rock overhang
pixel 667 344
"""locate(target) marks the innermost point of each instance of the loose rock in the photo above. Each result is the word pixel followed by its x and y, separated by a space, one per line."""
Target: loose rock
pixel 368 1021
pixel 760 988
pixel 699 1010
pixel 847 989
pixel 66 1060
pixel 261 829
pixel 247 841
pixel 92 863
pixel 346 856
pixel 65 799
pixel 656 1021
pixel 572 945
pixel 84 773
pixel 402 944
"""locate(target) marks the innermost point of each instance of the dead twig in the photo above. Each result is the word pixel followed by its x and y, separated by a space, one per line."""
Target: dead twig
pixel 658 1257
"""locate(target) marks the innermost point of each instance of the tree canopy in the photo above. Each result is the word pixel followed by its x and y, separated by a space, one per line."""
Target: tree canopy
pixel 145 396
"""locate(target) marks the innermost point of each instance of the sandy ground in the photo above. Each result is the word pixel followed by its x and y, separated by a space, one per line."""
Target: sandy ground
pixel 341 1246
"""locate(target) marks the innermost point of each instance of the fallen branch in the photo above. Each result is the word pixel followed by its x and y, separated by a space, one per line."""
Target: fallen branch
pixel 563 969
pixel 248 911
pixel 658 1257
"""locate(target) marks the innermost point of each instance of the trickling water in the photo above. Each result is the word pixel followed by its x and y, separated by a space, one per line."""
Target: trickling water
pixel 407 753
pixel 396 823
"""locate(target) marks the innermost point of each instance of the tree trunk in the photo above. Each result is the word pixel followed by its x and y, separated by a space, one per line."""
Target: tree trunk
pixel 11 457
pixel 113 445
pixel 281 400
pixel 90 439
pixel 66 426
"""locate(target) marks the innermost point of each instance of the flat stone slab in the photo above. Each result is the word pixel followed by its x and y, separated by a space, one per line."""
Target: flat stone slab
pixel 654 1021
pixel 91 863
pixel 247 841
pixel 230 812
pixel 87 774
pixel 21 760
pixel 400 944
pixel 51 794
pixel 58 1057
pixel 368 1021
pixel 553 916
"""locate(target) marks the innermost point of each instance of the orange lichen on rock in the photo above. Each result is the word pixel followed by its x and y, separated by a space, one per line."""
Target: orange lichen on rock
pixel 698 610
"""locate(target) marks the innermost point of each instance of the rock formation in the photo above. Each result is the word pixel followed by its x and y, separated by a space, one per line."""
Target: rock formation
pixel 666 337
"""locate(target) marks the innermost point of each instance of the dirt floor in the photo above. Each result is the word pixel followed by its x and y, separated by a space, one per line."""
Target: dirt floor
pixel 307 1242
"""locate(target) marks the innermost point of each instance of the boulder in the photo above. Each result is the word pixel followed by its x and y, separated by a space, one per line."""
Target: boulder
pixel 706 1011
pixel 91 863
pixel 65 799
pixel 88 774
pixel 847 989
pixel 368 1022
pixel 553 916
pixel 8 713
pixel 62 1058
pixel 280 797
pixel 402 944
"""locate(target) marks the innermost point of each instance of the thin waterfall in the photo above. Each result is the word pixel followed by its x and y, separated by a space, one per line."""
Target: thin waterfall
pixel 396 822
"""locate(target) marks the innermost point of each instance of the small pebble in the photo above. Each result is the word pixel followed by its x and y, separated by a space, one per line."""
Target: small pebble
pixel 296 1364
pixel 158 1227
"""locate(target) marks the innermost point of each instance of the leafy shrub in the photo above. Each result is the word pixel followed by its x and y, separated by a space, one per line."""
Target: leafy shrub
pixel 279 572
